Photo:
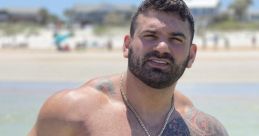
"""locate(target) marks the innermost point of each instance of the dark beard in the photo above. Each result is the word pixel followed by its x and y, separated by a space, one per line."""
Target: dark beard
pixel 153 77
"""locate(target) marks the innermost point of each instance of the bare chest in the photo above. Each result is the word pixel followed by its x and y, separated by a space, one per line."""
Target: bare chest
pixel 105 123
pixel 124 124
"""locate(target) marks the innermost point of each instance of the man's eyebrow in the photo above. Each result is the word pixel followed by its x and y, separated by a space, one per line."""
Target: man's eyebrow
pixel 178 34
pixel 174 34
pixel 150 31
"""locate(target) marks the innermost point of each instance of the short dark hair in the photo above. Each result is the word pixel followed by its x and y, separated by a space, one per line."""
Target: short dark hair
pixel 176 6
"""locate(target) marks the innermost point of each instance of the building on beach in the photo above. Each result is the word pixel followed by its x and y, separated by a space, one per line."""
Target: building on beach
pixel 253 16
pixel 21 15
pixel 204 11
pixel 83 14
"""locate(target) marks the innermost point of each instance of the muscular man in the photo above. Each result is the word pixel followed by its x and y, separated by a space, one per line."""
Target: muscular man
pixel 142 101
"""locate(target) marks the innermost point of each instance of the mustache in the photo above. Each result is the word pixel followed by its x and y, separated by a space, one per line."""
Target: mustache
pixel 160 56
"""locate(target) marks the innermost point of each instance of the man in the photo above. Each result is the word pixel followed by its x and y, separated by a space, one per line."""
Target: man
pixel 142 101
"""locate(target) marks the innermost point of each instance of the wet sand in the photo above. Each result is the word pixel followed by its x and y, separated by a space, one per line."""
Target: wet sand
pixel 78 66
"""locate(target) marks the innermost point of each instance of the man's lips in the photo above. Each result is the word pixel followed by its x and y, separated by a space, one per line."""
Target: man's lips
pixel 160 60
pixel 159 63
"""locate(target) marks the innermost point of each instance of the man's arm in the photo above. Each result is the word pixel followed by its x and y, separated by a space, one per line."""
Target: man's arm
pixel 199 122
pixel 204 124
pixel 56 117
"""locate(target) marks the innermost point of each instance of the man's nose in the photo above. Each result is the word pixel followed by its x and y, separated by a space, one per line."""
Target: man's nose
pixel 162 47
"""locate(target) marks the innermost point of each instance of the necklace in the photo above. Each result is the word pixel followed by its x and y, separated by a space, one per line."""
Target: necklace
pixel 137 116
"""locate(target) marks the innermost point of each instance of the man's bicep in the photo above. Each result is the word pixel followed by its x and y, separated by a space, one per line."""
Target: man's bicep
pixel 53 119
pixel 53 127
pixel 32 132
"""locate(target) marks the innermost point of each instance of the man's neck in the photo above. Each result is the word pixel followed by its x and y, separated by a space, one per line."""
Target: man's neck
pixel 149 102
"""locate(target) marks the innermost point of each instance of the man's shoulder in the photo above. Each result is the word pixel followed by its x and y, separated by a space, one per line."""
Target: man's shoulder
pixel 68 103
pixel 201 123
pixel 62 114
pixel 91 95
pixel 198 122
pixel 65 111
pixel 107 84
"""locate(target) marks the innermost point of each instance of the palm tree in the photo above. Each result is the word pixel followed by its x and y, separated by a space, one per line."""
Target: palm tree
pixel 44 16
pixel 239 9
pixel 48 17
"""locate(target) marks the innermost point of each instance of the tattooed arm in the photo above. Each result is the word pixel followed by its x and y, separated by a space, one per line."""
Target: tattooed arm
pixel 189 121
pixel 202 124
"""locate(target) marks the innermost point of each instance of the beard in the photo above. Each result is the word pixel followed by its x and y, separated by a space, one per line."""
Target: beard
pixel 155 77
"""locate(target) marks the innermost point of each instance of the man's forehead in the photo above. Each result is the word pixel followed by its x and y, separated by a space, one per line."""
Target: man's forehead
pixel 156 13
pixel 152 19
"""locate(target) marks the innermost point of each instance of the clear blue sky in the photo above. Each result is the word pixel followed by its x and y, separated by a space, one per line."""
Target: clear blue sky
pixel 58 6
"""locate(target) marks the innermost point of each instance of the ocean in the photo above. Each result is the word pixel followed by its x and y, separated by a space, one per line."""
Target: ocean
pixel 235 105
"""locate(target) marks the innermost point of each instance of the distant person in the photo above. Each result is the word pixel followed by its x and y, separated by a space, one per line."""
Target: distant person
pixel 82 45
pixel 59 39
pixel 254 41
pixel 204 42
pixel 109 45
pixel 226 43
pixel 143 100
pixel 216 41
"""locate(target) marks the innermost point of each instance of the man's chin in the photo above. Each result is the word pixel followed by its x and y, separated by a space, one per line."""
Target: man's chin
pixel 157 70
pixel 157 80
pixel 158 85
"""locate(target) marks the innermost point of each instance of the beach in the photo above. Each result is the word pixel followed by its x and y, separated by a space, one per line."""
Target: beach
pixel 222 83
pixel 79 66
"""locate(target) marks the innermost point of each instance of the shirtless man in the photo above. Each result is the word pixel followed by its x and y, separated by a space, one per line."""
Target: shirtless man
pixel 143 100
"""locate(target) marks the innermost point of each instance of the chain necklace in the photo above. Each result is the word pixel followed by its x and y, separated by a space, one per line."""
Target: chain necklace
pixel 137 116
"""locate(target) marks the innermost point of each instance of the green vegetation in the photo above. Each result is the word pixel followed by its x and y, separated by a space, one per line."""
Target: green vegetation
pixel 235 18
pixel 10 29
pixel 240 8
pixel 111 29
pixel 231 25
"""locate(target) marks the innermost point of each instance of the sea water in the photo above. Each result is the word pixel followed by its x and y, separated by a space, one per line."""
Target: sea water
pixel 235 105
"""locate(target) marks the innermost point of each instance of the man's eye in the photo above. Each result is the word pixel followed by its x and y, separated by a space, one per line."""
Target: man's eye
pixel 150 37
pixel 175 39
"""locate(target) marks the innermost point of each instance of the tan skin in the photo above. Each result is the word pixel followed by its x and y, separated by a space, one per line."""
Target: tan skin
pixel 97 108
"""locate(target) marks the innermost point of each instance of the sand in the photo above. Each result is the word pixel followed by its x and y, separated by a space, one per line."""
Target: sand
pixel 239 66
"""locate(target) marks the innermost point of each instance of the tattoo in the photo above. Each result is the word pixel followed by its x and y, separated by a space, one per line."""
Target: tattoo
pixel 176 127
pixel 195 123
pixel 202 124
pixel 105 85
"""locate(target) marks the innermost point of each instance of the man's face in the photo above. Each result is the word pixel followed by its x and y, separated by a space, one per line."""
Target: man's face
pixel 155 77
pixel 159 51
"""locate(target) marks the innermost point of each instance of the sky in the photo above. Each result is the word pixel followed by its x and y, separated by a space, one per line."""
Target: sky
pixel 58 6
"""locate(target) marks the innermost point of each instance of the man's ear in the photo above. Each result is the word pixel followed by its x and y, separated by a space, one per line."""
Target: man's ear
pixel 192 55
pixel 126 46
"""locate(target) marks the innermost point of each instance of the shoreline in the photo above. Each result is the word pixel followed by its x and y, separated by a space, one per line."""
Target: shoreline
pixel 222 66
